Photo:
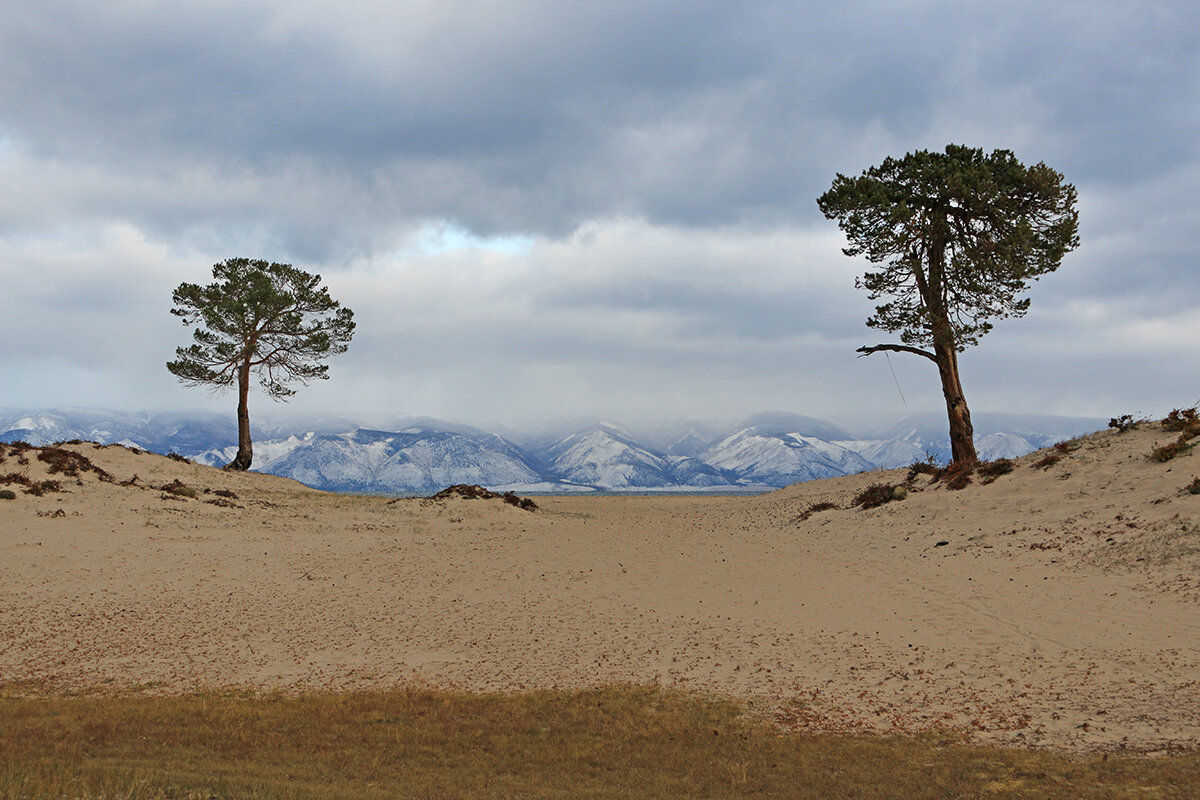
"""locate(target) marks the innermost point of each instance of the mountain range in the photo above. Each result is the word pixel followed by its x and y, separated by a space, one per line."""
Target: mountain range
pixel 423 455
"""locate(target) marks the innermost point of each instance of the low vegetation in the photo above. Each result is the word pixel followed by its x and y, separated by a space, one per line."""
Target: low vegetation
pixel 622 742
pixel 1187 423
pixel 875 495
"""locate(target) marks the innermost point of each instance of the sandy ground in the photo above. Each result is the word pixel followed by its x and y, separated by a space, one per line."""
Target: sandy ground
pixel 1054 607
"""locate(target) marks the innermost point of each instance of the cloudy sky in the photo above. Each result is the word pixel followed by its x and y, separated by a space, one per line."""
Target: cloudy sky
pixel 546 209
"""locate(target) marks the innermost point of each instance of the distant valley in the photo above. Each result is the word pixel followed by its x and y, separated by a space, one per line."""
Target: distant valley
pixel 424 455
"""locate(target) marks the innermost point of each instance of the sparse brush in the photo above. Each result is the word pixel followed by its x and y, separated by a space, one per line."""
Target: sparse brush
pixel 1193 487
pixel 927 467
pixel 1047 461
pixel 39 488
pixel 1170 450
pixel 957 475
pixel 179 489
pixel 990 470
pixel 177 457
pixel 1122 423
pixel 1069 446
pixel 520 502
pixel 70 463
pixel 15 477
pixel 1180 419
pixel 874 495
pixel 816 508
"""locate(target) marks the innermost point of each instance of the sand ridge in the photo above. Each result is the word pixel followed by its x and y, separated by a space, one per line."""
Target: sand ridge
pixel 1052 607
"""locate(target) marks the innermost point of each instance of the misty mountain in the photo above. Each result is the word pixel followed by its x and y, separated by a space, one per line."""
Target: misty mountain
pixel 423 455
pixel 608 458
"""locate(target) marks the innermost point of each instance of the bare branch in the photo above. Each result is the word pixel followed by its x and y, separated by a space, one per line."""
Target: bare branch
pixel 896 348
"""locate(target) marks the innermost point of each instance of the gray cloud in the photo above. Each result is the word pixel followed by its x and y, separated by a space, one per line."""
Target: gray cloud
pixel 661 162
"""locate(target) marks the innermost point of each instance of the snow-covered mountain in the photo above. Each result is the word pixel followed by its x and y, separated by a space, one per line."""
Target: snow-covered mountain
pixel 778 459
pixel 608 458
pixel 422 455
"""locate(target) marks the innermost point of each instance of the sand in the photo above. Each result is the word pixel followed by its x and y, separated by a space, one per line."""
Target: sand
pixel 1055 607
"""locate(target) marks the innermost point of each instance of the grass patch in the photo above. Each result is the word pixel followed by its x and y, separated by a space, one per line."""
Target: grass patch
pixel 604 743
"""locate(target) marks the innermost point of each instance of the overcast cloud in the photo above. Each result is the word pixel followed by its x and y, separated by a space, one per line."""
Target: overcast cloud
pixel 544 209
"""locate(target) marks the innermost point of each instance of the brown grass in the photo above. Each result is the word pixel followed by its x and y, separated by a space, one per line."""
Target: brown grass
pixel 874 495
pixel 622 742
pixel 1047 461
pixel 990 470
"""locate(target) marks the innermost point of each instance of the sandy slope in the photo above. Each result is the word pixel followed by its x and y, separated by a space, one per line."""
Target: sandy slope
pixel 1062 610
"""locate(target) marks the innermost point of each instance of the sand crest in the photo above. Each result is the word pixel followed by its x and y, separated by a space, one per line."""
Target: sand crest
pixel 1055 606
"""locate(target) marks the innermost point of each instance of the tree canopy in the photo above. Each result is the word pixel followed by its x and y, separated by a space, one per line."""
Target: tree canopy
pixel 959 235
pixel 270 319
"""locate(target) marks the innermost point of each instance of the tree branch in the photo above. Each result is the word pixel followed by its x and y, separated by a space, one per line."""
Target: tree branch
pixel 896 348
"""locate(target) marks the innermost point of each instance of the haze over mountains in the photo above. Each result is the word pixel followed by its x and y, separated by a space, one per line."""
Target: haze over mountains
pixel 421 455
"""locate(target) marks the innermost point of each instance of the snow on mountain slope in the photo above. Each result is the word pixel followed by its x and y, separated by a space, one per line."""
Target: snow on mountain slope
pixel 885 453
pixel 416 460
pixel 780 459
pixel 604 457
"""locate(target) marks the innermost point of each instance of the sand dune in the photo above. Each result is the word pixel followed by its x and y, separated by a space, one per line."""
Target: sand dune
pixel 1055 606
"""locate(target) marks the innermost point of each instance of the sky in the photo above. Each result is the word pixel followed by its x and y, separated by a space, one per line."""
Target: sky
pixel 540 210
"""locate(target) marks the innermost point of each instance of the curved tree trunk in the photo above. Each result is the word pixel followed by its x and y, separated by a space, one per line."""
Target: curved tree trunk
pixel 245 453
pixel 962 432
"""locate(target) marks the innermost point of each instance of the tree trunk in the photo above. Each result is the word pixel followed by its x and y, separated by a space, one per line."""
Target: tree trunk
pixel 962 432
pixel 245 453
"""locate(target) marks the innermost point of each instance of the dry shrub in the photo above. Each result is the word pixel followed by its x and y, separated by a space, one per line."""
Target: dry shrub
pixel 1193 487
pixel 816 508
pixel 70 463
pixel 39 488
pixel 179 458
pixel 179 489
pixel 874 495
pixel 1122 423
pixel 927 467
pixel 1169 450
pixel 469 491
pixel 1185 420
pixel 957 475
pixel 520 502
pixel 7 494
pixel 1047 461
pixel 990 470
pixel 15 477
pixel 1069 446
pixel 224 493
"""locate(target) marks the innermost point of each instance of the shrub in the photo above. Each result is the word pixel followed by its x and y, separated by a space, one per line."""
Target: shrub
pixel 1181 420
pixel 1048 461
pixel 1169 450
pixel 7 494
pixel 1122 423
pixel 816 508
pixel 40 488
pixel 15 477
pixel 1193 487
pixel 1069 446
pixel 179 489
pixel 70 463
pixel 990 470
pixel 874 495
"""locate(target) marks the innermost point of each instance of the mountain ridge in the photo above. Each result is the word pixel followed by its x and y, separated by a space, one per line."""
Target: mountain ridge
pixel 424 454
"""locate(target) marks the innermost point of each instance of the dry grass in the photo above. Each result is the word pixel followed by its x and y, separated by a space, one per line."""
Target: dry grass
pixel 606 743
